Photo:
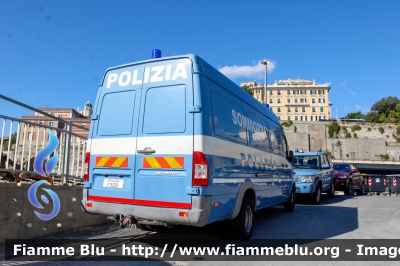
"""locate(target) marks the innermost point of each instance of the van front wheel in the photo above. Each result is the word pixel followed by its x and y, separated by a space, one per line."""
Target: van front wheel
pixel 242 226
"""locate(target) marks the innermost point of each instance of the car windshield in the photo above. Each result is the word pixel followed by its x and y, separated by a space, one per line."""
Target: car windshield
pixel 305 161
pixel 341 167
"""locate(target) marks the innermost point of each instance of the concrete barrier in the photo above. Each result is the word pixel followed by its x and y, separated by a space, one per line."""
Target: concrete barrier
pixel 18 220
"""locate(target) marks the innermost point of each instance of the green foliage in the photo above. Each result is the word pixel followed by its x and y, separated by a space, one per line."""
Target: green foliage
pixel 347 155
pixel 333 129
pixel 381 129
pixel 396 135
pixel 295 129
pixel 13 141
pixel 248 90
pixel 344 129
pixel 355 135
pixel 328 153
pixel 357 115
pixel 372 117
pixel 369 129
pixel 387 136
pixel 287 123
pixel 348 135
pixel 384 105
pixel 384 156
pixel 338 143
pixel 355 128
pixel 386 110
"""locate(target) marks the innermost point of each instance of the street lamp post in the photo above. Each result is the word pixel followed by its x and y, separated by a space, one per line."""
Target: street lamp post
pixel 265 63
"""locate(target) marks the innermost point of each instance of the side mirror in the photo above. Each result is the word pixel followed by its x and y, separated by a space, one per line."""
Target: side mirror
pixel 290 156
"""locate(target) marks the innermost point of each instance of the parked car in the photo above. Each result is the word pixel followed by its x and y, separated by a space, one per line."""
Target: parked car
pixel 347 178
pixel 313 175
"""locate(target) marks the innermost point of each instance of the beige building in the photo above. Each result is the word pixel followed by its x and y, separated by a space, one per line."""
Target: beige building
pixel 296 100
pixel 80 118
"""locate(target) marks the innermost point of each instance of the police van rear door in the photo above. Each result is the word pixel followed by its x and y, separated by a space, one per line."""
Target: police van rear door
pixel 165 135
pixel 113 136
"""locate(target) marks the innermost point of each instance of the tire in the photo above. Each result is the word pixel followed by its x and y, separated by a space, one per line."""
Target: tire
pixel 331 191
pixel 349 190
pixel 242 226
pixel 289 205
pixel 362 191
pixel 316 198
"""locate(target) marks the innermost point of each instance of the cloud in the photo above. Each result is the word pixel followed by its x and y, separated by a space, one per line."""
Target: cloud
pixel 352 92
pixel 363 109
pixel 344 84
pixel 249 72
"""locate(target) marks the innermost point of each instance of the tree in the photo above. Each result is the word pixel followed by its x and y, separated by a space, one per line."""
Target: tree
pixel 13 141
pixel 247 89
pixel 356 115
pixel 372 117
pixel 384 105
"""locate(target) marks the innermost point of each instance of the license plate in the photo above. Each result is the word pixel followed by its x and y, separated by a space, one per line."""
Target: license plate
pixel 113 183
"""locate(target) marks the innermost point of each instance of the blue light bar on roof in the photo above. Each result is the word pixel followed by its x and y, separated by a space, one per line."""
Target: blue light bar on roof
pixel 156 53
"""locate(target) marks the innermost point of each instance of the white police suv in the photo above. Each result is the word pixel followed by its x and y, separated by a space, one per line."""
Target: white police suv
pixel 313 175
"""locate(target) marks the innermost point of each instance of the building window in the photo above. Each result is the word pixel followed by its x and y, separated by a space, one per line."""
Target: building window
pixel 271 109
pixel 321 100
pixel 313 118
pixel 303 118
pixel 51 124
pixel 84 125
pixel 303 109
pixel 279 92
pixel 313 109
pixel 321 117
pixel 321 109
pixel 303 100
pixel 288 100
pixel 257 91
pixel 270 100
pixel 296 109
pixel 279 109
pixel 313 100
pixel 288 117
pixel 296 118
pixel 279 117
pixel 288 109
pixel 279 100
pixel 288 92
pixel 270 93
pixel 294 92
pixel 296 100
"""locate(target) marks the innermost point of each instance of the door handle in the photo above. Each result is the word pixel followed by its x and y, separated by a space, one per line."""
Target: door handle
pixel 146 150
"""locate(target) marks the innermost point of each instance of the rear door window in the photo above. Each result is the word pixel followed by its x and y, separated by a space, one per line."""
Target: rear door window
pixel 116 115
pixel 164 110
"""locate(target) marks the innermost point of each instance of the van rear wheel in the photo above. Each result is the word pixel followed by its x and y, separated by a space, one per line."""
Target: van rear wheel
pixel 289 205
pixel 242 226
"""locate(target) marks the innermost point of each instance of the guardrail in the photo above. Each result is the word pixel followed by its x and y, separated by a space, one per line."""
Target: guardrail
pixel 16 161
pixel 365 161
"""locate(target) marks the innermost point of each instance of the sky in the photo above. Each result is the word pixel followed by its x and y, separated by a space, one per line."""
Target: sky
pixel 55 53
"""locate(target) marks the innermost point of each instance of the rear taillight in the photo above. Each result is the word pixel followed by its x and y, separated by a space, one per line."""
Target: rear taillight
pixel 200 169
pixel 86 167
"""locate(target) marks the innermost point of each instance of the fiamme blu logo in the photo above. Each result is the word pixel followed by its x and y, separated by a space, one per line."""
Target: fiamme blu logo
pixel 49 166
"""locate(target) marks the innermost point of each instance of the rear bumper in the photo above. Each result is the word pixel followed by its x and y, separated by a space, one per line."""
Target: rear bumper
pixel 198 214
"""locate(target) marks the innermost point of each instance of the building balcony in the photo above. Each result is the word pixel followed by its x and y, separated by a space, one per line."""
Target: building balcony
pixel 297 104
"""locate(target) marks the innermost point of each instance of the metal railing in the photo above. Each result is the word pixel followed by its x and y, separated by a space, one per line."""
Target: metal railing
pixel 30 138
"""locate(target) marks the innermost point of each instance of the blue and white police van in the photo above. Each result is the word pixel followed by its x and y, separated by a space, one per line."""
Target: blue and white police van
pixel 175 142
pixel 313 175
